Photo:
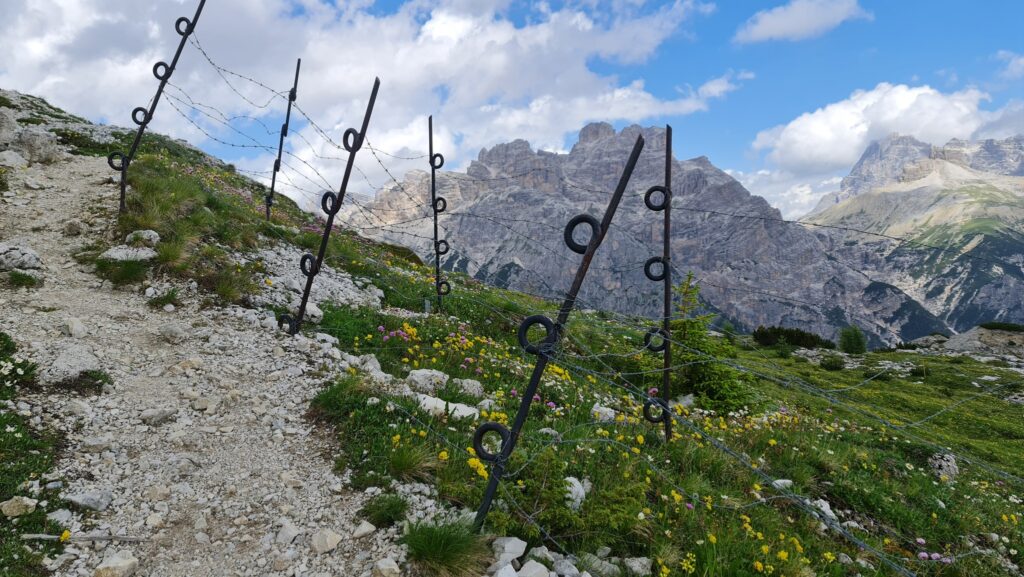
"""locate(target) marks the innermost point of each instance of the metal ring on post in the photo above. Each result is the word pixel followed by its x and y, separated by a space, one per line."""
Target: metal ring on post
pixel 551 334
pixel 287 320
pixel 437 161
pixel 443 288
pixel 293 94
pixel 144 119
pixel 648 336
pixel 352 140
pixel 116 161
pixel 661 404
pixel 308 265
pixel 653 261
pixel 440 204
pixel 441 247
pixel 162 71
pixel 570 228
pixel 665 196
pixel 187 29
pixel 329 203
pixel 478 440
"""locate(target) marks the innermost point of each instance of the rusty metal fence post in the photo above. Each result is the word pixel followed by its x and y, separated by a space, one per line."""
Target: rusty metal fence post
pixel 292 95
pixel 142 116
pixel 553 335
pixel 331 204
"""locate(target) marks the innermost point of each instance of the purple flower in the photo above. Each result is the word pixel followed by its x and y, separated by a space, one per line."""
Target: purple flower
pixel 513 393
pixel 551 404
pixel 935 556
pixel 652 391
pixel 919 541
pixel 922 556
pixel 947 560
pixel 381 328
pixel 385 339
pixel 479 370
pixel 536 397
pixel 689 506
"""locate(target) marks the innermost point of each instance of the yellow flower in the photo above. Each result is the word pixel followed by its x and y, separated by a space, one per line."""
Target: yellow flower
pixel 640 439
pixel 783 555
pixel 443 455
pixel 772 442
pixel 828 556
pixel 65 536
pixel 712 538
pixel 759 566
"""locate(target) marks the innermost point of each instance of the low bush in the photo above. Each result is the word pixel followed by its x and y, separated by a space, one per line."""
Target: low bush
pixel 770 336
pixel 832 363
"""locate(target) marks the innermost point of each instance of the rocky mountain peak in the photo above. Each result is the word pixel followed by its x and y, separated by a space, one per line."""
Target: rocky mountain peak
pixel 596 131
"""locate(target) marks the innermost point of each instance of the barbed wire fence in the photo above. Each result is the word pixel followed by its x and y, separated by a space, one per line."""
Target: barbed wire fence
pixel 580 364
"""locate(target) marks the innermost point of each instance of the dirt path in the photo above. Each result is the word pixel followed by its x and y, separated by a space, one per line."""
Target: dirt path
pixel 200 443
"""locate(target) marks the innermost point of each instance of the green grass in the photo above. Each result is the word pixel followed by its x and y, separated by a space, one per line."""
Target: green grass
pixel 385 510
pixel 25 455
pixel 447 549
pixel 16 279
pixel 122 272
pixel 168 298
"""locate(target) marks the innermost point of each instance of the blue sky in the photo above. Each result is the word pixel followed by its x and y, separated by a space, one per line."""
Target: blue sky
pixel 784 94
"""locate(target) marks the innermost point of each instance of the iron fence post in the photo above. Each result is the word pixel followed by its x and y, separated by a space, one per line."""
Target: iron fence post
pixel 331 204
pixel 665 331
pixel 292 95
pixel 438 204
pixel 142 116
pixel 553 335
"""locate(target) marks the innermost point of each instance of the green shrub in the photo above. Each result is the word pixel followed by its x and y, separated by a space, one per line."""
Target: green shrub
pixel 447 549
pixel 385 510
pixel 919 371
pixel 852 341
pixel 770 336
pixel 998 326
pixel 17 279
pixel 832 363
pixel 122 272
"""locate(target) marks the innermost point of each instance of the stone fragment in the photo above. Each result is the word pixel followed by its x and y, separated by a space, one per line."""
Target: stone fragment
pixel 11 159
pixel 92 500
pixel 599 567
pixel 17 506
pixel 153 417
pixel 73 227
pixel 386 567
pixel 470 387
pixel 782 483
pixel 124 253
pixel 72 359
pixel 944 466
pixel 426 380
pixel 13 257
pixel 325 540
pixel 287 533
pixel 363 530
pixel 638 566
pixel 172 333
pixel 73 328
pixel 39 145
pixel 122 564
pixel 148 238
pixel 532 569
pixel 439 408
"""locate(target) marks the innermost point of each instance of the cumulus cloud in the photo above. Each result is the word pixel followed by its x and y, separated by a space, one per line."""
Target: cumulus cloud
pixel 1014 64
pixel 834 136
pixel 799 20
pixel 485 78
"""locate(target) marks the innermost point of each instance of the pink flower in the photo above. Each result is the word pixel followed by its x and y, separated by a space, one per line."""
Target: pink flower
pixel 551 404
pixel 919 541
pixel 922 556
pixel 513 393
pixel 935 556
pixel 689 506
pixel 652 391
pixel 381 328
pixel 536 397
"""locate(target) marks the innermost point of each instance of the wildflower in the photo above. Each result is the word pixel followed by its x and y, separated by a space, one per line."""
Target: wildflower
pixel 65 536
pixel 828 556
pixel 639 439
pixel 759 566
pixel 772 442
pixel 783 555
pixel 442 456
pixel 712 538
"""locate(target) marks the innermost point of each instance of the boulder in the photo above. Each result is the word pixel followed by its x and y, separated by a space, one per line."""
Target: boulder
pixel 638 566
pixel 92 500
pixel 944 466
pixel 11 159
pixel 17 506
pixel 324 541
pixel 364 529
pixel 125 253
pixel 148 238
pixel 73 328
pixel 8 126
pixel 386 567
pixel 533 569
pixel 13 257
pixel 576 491
pixel 438 407
pixel 426 380
pixel 70 362
pixel 39 145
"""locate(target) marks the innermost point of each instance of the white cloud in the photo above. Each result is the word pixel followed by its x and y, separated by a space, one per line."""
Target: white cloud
pixel 799 20
pixel 794 195
pixel 485 78
pixel 833 137
pixel 1014 64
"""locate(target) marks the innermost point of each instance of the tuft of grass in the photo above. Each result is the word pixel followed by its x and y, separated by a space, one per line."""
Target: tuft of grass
pixel 412 463
pixel 17 279
pixel 122 272
pixel 446 549
pixel 385 510
pixel 168 298
pixel 88 382
pixel 832 363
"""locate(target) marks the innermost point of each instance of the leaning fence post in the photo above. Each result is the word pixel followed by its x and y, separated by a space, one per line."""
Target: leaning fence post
pixel 438 205
pixel 665 277
pixel 292 95
pixel 331 204
pixel 119 161
pixel 553 334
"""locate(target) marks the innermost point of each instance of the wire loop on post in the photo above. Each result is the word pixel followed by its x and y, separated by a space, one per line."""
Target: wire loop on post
pixel 550 335
pixel 657 206
pixel 649 338
pixel 440 204
pixel 478 440
pixel 570 229
pixel 648 266
pixel 437 161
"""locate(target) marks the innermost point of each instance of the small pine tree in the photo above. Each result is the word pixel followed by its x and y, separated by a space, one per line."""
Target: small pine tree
pixel 852 341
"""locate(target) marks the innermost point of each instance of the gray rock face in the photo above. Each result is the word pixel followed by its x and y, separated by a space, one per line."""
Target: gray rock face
pixel 506 218
pixel 881 163
pixel 11 159
pixel 14 257
pixel 995 156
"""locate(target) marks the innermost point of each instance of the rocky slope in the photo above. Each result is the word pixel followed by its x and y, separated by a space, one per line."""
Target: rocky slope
pixel 507 212
pixel 964 206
